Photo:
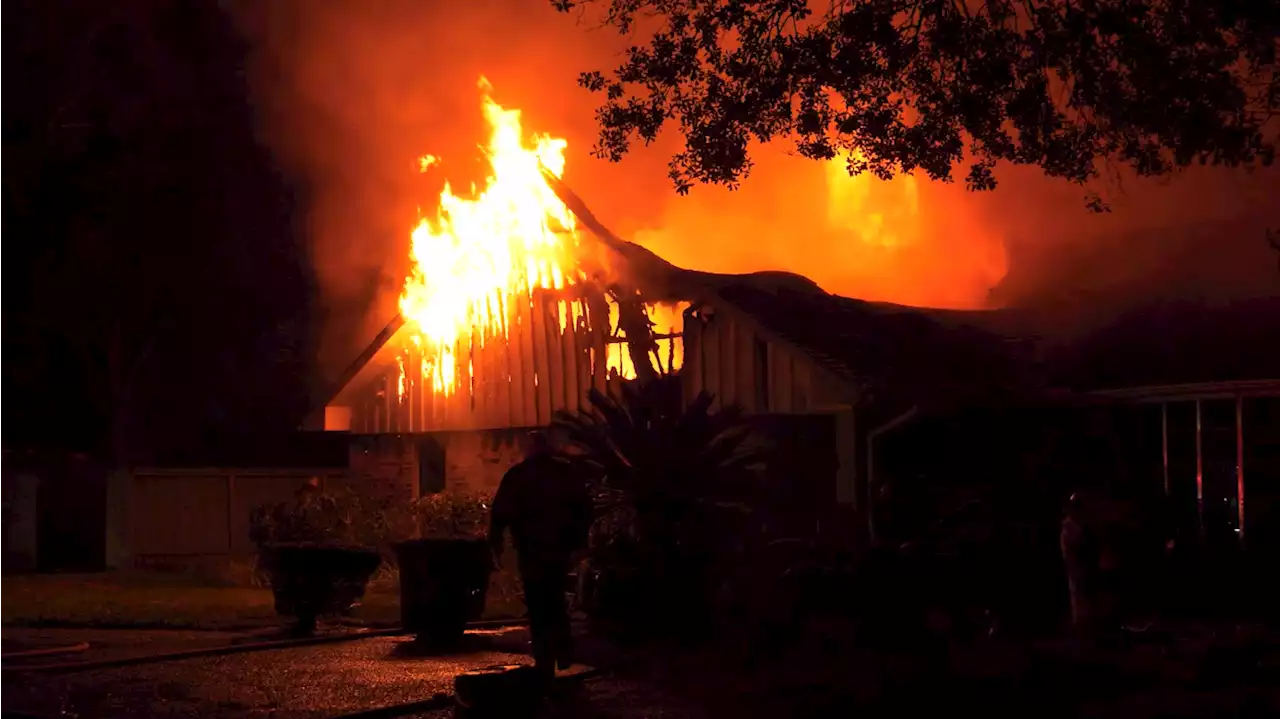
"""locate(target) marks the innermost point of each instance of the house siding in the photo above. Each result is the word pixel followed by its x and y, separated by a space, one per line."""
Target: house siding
pixel 548 365
pixel 730 359
pixel 552 356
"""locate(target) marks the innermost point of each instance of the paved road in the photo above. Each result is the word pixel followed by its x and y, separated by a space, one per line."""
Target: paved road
pixel 608 697
pixel 313 681
pixel 109 644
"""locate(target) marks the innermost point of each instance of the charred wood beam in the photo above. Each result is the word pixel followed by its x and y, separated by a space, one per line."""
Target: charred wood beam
pixel 656 336
pixel 598 325
pixel 634 323
pixel 660 280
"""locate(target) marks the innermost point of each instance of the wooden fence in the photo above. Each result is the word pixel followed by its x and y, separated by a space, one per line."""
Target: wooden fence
pixel 191 515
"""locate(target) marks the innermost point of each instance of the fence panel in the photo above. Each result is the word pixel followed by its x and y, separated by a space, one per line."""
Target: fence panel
pixel 179 514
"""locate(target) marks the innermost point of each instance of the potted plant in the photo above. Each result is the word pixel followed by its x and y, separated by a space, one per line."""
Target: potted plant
pixel 444 572
pixel 314 566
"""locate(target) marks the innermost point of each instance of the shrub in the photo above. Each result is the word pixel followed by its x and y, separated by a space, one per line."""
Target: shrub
pixel 317 551
pixel 673 485
pixel 317 518
pixel 311 518
pixel 345 518
pixel 452 515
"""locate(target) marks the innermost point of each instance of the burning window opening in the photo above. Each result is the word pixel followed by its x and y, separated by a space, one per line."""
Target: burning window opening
pixel 666 321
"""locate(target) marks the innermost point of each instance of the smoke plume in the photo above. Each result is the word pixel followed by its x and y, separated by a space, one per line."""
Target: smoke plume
pixel 351 93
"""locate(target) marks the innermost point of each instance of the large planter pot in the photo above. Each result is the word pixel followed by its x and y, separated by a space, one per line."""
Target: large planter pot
pixel 443 583
pixel 311 581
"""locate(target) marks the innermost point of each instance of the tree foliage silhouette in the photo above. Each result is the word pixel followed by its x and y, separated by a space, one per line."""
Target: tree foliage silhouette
pixel 1070 86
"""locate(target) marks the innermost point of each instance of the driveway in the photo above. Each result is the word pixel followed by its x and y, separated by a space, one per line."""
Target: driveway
pixel 309 681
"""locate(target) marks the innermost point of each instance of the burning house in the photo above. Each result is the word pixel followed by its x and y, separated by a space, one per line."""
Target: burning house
pixel 521 302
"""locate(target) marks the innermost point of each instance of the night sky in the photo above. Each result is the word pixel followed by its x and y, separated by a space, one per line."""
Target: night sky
pixel 154 269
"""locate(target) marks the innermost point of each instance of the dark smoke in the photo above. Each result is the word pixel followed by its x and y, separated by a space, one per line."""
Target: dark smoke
pixel 1200 235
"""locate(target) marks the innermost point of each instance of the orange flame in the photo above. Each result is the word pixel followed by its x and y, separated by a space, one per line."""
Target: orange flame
pixel 667 320
pixel 880 213
pixel 473 258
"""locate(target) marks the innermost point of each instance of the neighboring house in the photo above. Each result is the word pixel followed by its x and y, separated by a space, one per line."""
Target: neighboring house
pixel 1185 393
pixel 1202 382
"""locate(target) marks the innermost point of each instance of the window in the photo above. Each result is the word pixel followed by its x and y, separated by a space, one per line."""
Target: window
pixel 667 324
pixel 431 466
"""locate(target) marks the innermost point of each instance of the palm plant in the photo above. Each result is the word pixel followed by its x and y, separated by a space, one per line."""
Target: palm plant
pixel 672 483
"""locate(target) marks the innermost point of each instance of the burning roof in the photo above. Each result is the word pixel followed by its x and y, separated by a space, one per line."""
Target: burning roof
pixel 479 257
pixel 475 254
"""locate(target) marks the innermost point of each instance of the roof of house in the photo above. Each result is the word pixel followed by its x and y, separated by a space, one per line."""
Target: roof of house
pixel 909 352
pixel 989 353
pixel 377 355
pixel 964 356
pixel 1168 342
pixel 381 352
pixel 662 280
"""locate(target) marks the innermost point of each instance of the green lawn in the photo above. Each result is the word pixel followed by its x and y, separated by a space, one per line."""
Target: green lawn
pixel 104 600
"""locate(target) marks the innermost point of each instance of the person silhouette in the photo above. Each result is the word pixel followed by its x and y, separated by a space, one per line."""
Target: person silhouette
pixel 544 502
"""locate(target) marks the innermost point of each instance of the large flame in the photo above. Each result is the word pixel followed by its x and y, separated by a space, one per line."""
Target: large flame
pixel 478 255
pixel 880 213
pixel 472 258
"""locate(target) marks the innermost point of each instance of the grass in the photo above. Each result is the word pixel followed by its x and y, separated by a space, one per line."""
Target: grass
pixel 165 602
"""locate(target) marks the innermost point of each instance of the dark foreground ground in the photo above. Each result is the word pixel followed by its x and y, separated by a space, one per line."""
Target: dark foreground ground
pixel 309 681
pixel 1170 669
pixel 326 680
pixel 1179 671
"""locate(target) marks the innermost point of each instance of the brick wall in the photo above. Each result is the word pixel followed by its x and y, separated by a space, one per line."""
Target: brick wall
pixel 473 461
pixel 385 465
pixel 476 461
